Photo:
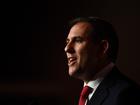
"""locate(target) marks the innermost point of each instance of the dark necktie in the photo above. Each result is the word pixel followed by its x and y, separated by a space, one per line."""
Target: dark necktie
pixel 84 95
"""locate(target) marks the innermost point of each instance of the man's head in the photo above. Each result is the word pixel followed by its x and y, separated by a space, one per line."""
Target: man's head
pixel 91 44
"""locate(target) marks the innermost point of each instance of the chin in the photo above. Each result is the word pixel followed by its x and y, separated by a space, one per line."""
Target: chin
pixel 72 71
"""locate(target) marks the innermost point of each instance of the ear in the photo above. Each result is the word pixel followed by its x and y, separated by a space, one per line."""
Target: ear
pixel 103 47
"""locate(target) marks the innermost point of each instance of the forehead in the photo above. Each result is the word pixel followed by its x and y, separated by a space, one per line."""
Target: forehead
pixel 80 29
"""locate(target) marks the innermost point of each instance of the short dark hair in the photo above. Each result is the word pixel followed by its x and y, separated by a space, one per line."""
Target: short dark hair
pixel 102 30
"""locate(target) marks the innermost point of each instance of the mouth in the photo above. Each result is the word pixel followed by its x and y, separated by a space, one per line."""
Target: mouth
pixel 71 61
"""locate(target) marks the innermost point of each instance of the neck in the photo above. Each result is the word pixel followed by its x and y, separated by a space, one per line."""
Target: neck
pixel 100 72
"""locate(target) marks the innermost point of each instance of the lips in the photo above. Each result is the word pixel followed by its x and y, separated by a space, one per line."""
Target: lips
pixel 71 60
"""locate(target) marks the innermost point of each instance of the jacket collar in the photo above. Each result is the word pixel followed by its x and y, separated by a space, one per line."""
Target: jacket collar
pixel 103 89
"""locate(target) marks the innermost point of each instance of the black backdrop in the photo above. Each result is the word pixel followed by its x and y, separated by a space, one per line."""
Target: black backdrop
pixel 33 60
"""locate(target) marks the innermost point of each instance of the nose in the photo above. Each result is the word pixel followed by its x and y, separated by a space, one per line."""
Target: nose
pixel 69 48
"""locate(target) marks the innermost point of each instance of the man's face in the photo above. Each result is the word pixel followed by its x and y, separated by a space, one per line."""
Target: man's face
pixel 81 52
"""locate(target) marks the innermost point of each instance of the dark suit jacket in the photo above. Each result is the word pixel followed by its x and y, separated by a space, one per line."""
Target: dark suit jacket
pixel 116 89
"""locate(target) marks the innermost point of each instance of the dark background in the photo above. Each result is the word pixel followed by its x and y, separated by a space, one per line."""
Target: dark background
pixel 33 60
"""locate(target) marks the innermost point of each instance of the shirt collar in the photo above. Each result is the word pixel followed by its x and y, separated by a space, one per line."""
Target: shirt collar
pixel 93 83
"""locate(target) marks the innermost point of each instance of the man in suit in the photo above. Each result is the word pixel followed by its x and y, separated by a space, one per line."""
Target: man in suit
pixel 91 49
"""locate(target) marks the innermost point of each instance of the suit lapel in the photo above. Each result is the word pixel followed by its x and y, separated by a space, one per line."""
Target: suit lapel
pixel 103 89
pixel 102 94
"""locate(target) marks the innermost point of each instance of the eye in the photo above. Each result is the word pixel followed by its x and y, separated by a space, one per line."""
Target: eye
pixel 67 41
pixel 79 39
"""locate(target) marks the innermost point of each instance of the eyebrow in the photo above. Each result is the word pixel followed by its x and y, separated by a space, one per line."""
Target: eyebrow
pixel 75 37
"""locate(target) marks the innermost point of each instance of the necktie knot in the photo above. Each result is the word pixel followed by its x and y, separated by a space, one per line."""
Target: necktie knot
pixel 84 94
pixel 86 91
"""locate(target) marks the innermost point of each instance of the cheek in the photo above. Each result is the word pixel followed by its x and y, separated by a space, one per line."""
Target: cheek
pixel 83 55
pixel 89 56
